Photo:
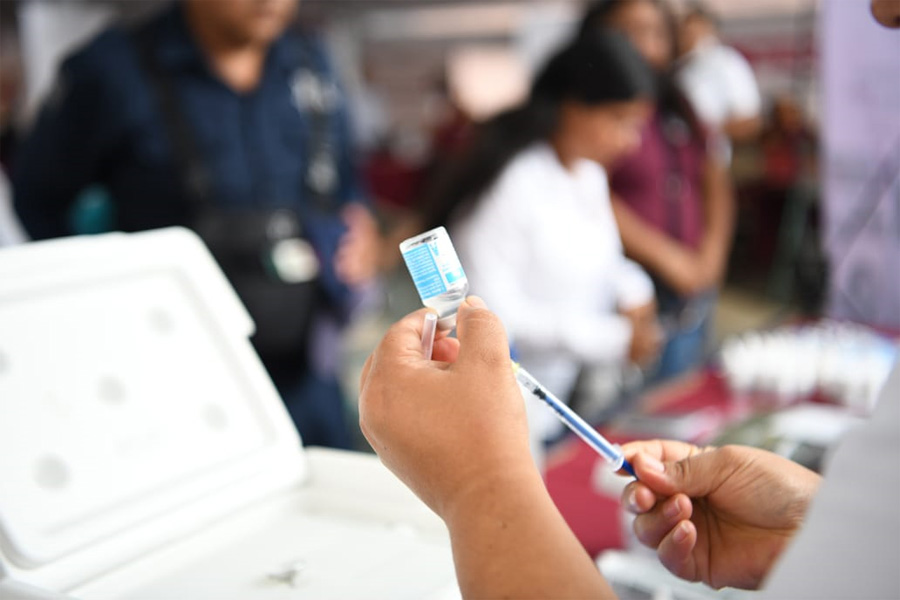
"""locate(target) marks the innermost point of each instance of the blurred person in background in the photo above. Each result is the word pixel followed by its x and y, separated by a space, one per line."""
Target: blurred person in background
pixel 10 83
pixel 10 90
pixel 11 232
pixel 453 127
pixel 789 158
pixel 530 218
pixel 210 116
pixel 717 80
pixel 450 133
pixel 789 147
pixel 672 198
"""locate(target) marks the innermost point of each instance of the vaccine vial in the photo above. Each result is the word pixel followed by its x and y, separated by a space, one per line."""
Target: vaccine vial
pixel 437 274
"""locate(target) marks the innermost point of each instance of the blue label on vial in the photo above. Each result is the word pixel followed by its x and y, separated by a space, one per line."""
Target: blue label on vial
pixel 454 276
pixel 424 270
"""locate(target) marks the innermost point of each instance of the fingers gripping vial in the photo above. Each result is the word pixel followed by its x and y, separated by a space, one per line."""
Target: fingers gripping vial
pixel 437 274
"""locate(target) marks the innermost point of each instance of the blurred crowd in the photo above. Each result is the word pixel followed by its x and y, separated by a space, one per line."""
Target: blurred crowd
pixel 594 203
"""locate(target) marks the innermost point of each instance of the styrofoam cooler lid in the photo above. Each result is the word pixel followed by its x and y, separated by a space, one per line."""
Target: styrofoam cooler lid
pixel 132 406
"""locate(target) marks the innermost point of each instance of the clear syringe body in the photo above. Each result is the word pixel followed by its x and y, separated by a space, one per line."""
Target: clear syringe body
pixel 437 273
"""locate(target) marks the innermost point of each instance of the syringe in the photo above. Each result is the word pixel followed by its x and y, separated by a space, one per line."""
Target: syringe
pixel 611 452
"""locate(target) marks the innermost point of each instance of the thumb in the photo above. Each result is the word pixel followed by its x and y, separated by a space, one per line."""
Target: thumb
pixel 482 338
pixel 696 476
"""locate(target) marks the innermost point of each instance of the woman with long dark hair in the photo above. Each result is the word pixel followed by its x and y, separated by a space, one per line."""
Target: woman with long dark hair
pixel 672 199
pixel 529 214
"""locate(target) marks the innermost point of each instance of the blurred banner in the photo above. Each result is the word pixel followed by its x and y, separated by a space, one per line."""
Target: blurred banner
pixel 861 134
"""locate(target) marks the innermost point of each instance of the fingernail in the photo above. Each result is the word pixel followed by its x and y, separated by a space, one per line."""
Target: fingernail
pixel 632 502
pixel 671 509
pixel 654 465
pixel 681 533
pixel 476 302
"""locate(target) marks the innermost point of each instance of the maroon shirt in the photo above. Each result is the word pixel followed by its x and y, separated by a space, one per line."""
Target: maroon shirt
pixel 663 180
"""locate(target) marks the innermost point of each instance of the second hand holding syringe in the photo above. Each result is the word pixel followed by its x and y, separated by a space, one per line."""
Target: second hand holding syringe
pixel 611 452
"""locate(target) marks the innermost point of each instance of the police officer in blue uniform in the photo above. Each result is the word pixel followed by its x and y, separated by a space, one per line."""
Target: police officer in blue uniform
pixel 212 117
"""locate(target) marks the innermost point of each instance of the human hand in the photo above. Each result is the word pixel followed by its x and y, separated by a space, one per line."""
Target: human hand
pixel 687 271
pixel 454 430
pixel 712 261
pixel 358 253
pixel 449 426
pixel 717 515
pixel 646 336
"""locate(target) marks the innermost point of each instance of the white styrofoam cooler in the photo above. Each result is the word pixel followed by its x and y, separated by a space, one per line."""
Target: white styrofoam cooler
pixel 144 452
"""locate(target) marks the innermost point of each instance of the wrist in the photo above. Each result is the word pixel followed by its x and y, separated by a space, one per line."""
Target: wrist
pixel 510 541
pixel 494 496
